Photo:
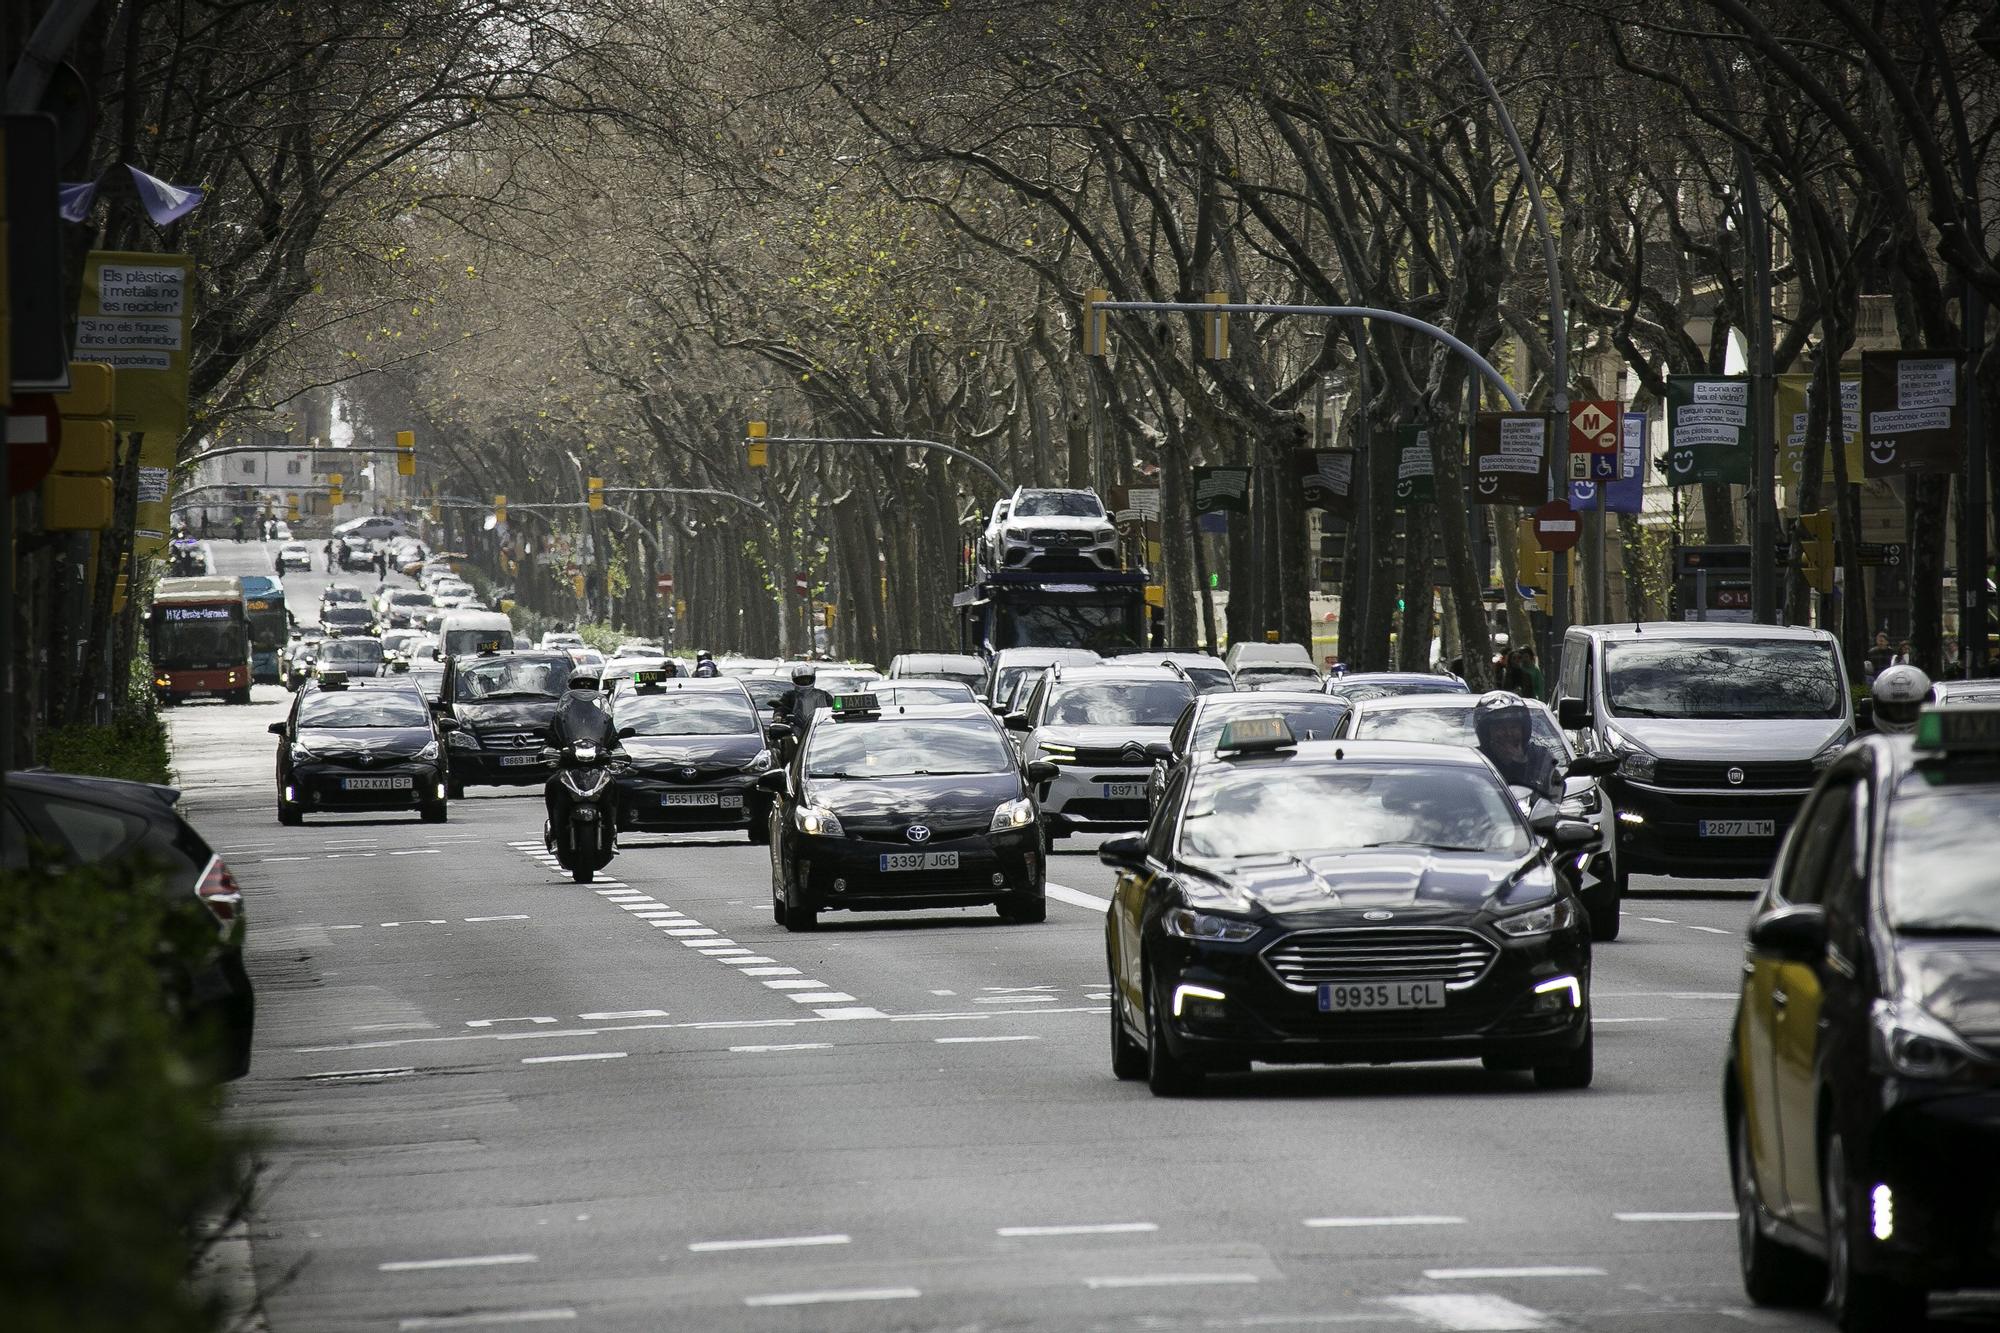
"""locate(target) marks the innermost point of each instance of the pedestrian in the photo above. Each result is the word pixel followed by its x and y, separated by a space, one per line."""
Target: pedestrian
pixel 1881 655
pixel 1524 661
pixel 204 523
pixel 382 563
pixel 1902 657
pixel 1951 657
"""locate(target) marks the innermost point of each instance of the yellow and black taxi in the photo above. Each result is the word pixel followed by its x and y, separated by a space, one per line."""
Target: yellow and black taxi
pixel 503 701
pixel 1862 1089
pixel 352 745
pixel 1333 902
pixel 696 748
pixel 901 807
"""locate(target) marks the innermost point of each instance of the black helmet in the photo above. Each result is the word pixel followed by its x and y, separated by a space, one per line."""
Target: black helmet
pixel 804 674
pixel 1497 710
pixel 704 656
pixel 580 681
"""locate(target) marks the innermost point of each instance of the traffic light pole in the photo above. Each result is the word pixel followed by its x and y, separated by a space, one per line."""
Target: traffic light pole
pixel 906 443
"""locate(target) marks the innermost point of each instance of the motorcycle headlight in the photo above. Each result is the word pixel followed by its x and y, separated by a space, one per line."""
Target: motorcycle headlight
pixel 1832 750
pixel 584 752
pixel 430 751
pixel 464 740
pixel 1210 927
pixel 1910 1041
pixel 818 821
pixel 761 764
pixel 1558 915
pixel 1013 815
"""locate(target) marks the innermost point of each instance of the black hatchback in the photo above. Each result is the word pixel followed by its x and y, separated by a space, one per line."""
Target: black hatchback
pixel 696 749
pixel 350 746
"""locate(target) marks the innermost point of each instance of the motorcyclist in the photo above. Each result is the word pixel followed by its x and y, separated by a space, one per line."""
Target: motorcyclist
pixel 797 705
pixel 1900 693
pixel 1505 729
pixel 583 714
pixel 704 664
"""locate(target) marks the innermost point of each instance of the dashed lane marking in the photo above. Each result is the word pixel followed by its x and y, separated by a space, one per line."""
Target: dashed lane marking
pixel 1079 1229
pixel 1119 1282
pixel 565 1059
pixel 489 1022
pixel 432 922
pixel 1712 930
pixel 490 1317
pixel 1728 1215
pixel 822 997
pixel 833 1297
pixel 1063 893
pixel 516 916
pixel 766 1050
pixel 470 1261
pixel 786 983
pixel 766 1242
pixel 965 1041
pixel 1492 1274
pixel 1408 1220
pixel 777 971
pixel 1470 1313
pixel 1659 920
pixel 616 1014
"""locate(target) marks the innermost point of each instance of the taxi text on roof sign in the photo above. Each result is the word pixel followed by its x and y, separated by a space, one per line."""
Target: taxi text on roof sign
pixel 1959 730
pixel 1248 734
pixel 856 703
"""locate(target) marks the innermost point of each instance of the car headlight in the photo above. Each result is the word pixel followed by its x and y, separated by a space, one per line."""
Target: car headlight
pixel 1910 1041
pixel 1013 815
pixel 1210 927
pixel 1832 750
pixel 430 751
pixel 301 755
pixel 1558 915
pixel 818 821
pixel 464 740
pixel 1057 753
pixel 1104 535
pixel 761 764
pixel 1635 762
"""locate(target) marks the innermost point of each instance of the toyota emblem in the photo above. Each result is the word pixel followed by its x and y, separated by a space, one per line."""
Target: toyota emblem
pixel 1378 916
pixel 687 772
pixel 917 833
pixel 1735 776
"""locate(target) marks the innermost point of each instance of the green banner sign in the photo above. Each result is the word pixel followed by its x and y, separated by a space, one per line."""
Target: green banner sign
pixel 1416 470
pixel 1708 429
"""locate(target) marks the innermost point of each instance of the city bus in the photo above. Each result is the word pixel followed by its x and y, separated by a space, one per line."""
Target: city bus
pixel 270 626
pixel 199 638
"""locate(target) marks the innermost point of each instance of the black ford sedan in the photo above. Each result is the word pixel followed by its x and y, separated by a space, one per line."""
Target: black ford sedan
pixel 1343 902
pixel 697 749
pixel 503 702
pixel 896 807
pixel 349 746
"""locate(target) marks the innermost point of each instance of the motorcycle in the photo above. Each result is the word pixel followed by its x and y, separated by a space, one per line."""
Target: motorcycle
pixel 185 559
pixel 588 837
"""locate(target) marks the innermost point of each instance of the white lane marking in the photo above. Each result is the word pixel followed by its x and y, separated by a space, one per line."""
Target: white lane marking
pixel 623 1013
pixel 347 927
pixel 1720 1216
pixel 1063 893
pixel 392 1027
pixel 1015 990
pixel 549 1316
pixel 1659 920
pixel 1532 1270
pixel 786 983
pixel 470 1261
pixel 489 1022
pixel 1015 999
pixel 766 1243
pixel 823 997
pixel 537 1034
pixel 1595 1019
pixel 335 1075
pixel 433 922
pixel 944 992
pixel 418 851
pixel 779 971
pixel 517 916
pixel 272 860
pixel 1406 1220
pixel 753 958
pixel 1080 1229
pixel 561 1059
pixel 857 1011
pixel 765 1050
pixel 1712 930
pixel 1470 1314
pixel 689 932
pixel 959 1041
pixel 834 1297
pixel 1119 1282
pixel 706 945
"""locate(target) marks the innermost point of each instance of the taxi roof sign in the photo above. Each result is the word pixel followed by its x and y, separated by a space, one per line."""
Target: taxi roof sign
pixel 1252 735
pixel 331 678
pixel 1961 730
pixel 856 705
pixel 651 679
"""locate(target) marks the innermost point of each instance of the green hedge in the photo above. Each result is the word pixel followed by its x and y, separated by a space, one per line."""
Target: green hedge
pixel 134 746
pixel 112 1147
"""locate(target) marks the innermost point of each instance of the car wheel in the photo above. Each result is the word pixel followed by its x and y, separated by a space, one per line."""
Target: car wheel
pixel 1572 1071
pixel 1601 904
pixel 1167 1074
pixel 435 812
pixel 760 830
pixel 1025 908
pixel 1773 1274
pixel 799 918
pixel 1859 1302
pixel 455 790
pixel 582 873
pixel 289 813
pixel 778 913
pixel 1128 1060
pixel 1049 837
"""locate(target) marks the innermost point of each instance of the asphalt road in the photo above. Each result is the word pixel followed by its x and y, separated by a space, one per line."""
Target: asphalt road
pixel 493 1097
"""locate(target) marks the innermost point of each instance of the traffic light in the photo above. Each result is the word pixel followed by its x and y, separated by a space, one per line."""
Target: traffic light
pixel 1816 548
pixel 758 451
pixel 77 493
pixel 576 582
pixel 499 509
pixel 406 453
pixel 335 496
pixel 1093 321
pixel 595 486
pixel 1534 567
pixel 291 509
pixel 1215 330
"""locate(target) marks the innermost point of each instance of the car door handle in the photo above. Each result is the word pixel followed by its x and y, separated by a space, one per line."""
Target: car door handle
pixel 1779 999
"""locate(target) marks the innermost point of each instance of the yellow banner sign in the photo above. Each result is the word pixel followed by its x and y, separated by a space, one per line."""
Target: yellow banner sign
pixel 1790 431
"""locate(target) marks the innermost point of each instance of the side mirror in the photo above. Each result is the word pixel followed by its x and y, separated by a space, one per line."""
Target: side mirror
pixel 447 724
pixel 1543 816
pixel 779 731
pixel 1159 750
pixel 624 732
pixel 1595 765
pixel 1572 714
pixel 276 728
pixel 1127 852
pixel 1017 722
pixel 1041 770
pixel 437 654
pixel 1570 833
pixel 1796 934
pixel 773 782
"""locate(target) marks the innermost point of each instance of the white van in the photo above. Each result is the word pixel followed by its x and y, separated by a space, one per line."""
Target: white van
pixel 463 632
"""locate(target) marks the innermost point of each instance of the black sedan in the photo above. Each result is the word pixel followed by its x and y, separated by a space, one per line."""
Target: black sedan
pixel 1424 923
pixel 349 746
pixel 346 618
pixel 1309 714
pixel 696 748
pixel 502 702
pixel 911 807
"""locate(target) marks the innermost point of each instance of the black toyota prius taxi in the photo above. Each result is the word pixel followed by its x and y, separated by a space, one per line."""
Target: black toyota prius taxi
pixel 350 745
pixel 1330 902
pixel 696 748
pixel 899 807
pixel 1861 1094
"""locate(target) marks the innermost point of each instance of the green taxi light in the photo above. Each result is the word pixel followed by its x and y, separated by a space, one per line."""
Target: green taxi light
pixel 1248 735
pixel 644 679
pixel 1959 730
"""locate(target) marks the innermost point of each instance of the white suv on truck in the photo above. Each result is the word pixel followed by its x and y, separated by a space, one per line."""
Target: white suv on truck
pixel 1054 530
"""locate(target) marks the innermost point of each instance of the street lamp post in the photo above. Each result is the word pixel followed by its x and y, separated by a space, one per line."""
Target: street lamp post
pixel 902 442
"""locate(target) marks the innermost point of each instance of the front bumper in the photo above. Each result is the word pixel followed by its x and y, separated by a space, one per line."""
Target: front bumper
pixel 1498 1017
pixel 847 872
pixel 207 684
pixel 499 768
pixel 1659 827
pixel 321 784
pixel 666 805
pixel 1080 798
pixel 1939 1155
pixel 1057 557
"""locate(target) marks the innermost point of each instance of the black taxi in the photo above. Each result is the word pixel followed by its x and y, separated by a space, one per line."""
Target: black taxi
pixel 1861 1093
pixel 1344 902
pixel 899 807
pixel 369 744
pixel 696 749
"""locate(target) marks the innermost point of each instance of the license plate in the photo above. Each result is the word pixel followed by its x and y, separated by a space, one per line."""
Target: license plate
pixel 1122 791
pixel 1354 996
pixel 687 798
pixel 1737 828
pixel 518 760
pixel 397 782
pixel 920 860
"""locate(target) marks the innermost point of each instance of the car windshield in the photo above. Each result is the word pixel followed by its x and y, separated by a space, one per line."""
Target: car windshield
pixel 345 615
pixel 885 749
pixel 351 652
pixel 341 592
pixel 1938 870
pixel 1309 719
pixel 526 678
pixel 1721 678
pixel 682 713
pixel 924 692
pixel 1260 672
pixel 1389 689
pixel 1121 703
pixel 363 708
pixel 1259 811
pixel 410 599
pixel 1448 725
pixel 1057 504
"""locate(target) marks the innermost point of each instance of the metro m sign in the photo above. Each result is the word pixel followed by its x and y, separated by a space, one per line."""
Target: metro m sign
pixel 1593 427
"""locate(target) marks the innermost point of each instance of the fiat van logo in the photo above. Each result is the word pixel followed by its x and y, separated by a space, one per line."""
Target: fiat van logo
pixel 1735 776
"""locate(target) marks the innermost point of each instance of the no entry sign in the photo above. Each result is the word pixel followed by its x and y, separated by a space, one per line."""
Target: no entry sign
pixel 664 583
pixel 1556 527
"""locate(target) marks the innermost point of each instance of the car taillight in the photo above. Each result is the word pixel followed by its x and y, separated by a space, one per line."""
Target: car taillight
pixel 218 892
